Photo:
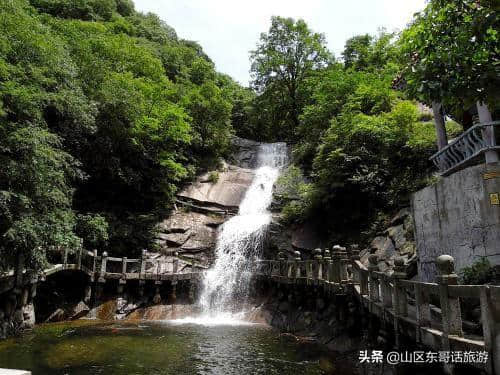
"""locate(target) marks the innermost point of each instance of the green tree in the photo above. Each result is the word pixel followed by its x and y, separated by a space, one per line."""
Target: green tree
pixel 35 195
pixel 452 54
pixel 284 58
pixel 104 114
pixel 356 51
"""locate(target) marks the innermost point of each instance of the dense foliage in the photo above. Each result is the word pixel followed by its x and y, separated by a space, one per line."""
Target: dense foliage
pixel 452 54
pixel 284 59
pixel 362 147
pixel 104 112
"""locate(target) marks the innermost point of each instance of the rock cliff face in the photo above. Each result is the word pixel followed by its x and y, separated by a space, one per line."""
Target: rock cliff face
pixel 191 230
pixel 395 241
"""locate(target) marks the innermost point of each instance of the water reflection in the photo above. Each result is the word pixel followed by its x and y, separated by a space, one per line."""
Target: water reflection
pixel 90 347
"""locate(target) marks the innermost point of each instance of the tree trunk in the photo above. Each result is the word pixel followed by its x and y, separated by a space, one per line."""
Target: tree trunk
pixel 439 123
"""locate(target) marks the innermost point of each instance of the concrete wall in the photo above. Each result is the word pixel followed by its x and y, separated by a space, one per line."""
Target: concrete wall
pixel 457 216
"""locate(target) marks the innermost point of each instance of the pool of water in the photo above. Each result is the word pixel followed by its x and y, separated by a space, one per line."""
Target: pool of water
pixel 93 347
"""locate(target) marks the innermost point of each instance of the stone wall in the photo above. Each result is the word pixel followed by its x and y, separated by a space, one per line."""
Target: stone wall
pixel 458 216
pixel 306 311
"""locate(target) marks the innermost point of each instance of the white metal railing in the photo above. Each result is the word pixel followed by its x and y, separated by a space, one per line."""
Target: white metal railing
pixel 465 149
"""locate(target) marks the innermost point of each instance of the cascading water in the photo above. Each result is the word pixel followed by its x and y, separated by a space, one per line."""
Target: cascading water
pixel 240 239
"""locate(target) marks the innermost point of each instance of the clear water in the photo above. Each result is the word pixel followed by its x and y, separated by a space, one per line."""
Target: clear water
pixel 239 241
pixel 90 347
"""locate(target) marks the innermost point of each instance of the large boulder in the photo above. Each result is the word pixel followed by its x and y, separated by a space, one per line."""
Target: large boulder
pixel 189 233
pixel 222 189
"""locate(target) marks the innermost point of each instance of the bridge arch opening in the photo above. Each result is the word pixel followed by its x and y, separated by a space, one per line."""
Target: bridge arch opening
pixel 59 295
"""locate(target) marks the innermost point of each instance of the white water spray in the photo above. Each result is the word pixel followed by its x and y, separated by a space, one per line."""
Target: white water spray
pixel 240 240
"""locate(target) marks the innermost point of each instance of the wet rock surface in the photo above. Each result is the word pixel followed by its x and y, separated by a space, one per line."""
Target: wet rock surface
pixel 202 206
pixel 220 190
pixel 245 152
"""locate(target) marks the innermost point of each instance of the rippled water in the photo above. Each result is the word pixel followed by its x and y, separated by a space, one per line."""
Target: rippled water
pixel 90 347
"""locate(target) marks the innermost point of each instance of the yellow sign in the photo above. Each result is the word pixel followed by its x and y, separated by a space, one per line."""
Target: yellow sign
pixel 494 199
pixel 490 175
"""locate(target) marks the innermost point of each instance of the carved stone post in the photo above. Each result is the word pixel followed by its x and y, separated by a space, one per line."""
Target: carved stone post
pixel 104 260
pixel 309 269
pixel 488 132
pixel 297 259
pixel 344 262
pixel 124 269
pixel 79 258
pixel 94 264
pixel 450 306
pixel 373 278
pixel 423 309
pixel 385 287
pixel 290 269
pixel 363 282
pixel 490 318
pixel 282 264
pixel 400 296
pixel 317 265
pixel 33 292
pixel 121 300
pixel 336 256
pixel 327 263
pixel 65 258
pixel 144 256
pixel 355 257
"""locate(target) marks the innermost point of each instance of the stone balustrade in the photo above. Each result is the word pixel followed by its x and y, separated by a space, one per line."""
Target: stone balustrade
pixel 103 267
pixel 427 313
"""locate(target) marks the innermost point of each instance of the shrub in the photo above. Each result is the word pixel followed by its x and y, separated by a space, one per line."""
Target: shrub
pixel 213 177
pixel 480 272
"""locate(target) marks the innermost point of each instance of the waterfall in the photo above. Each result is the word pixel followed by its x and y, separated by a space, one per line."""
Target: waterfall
pixel 240 240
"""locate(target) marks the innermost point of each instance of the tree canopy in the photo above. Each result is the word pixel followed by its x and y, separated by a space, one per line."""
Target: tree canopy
pixel 284 58
pixel 104 114
pixel 452 54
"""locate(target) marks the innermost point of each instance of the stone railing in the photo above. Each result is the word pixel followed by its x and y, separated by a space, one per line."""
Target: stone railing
pixel 465 149
pixel 428 313
pixel 103 267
